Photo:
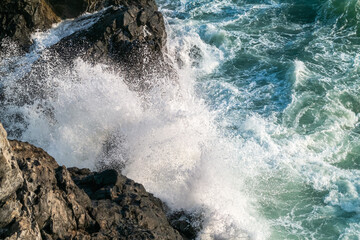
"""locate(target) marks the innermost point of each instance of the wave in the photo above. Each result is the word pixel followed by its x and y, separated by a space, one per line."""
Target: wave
pixel 259 133
pixel 166 138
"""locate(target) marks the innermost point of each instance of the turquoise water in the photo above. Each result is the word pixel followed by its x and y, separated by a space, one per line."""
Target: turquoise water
pixel 259 134
pixel 285 78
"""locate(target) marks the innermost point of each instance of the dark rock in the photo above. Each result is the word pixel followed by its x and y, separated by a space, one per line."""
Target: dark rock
pixel 48 203
pixel 10 175
pixel 44 202
pixel 18 19
pixel 139 213
pixel 189 224
pixel 96 5
pixel 73 8
pixel 130 39
pixel 69 8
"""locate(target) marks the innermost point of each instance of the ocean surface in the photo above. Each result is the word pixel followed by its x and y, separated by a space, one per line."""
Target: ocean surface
pixel 259 136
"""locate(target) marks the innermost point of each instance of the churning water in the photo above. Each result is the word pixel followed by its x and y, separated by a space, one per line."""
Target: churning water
pixel 260 133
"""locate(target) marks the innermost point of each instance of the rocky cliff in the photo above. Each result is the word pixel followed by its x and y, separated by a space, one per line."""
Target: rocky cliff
pixel 18 19
pixel 131 39
pixel 128 36
pixel 41 200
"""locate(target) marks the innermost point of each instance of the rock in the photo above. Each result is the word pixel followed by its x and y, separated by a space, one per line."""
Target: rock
pixel 69 8
pixel 189 224
pixel 10 176
pixel 130 39
pixel 95 5
pixel 18 19
pixel 116 35
pixel 48 201
pixel 139 213
pixel 73 8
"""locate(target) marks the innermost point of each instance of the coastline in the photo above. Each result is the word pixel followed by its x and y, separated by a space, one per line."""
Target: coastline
pixel 43 200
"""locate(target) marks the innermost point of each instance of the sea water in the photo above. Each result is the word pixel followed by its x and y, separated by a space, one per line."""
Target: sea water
pixel 260 133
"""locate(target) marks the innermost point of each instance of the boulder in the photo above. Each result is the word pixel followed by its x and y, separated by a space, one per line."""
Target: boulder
pixel 10 175
pixel 18 19
pixel 139 213
pixel 118 34
pixel 189 224
pixel 130 39
pixel 48 201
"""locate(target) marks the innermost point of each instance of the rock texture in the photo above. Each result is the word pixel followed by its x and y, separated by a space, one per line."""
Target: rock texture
pixel 18 19
pixel 123 208
pixel 73 8
pixel 131 39
pixel 10 175
pixel 189 224
pixel 42 200
pixel 129 36
pixel 116 34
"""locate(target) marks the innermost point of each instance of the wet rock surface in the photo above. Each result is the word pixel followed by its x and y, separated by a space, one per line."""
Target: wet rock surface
pixel 116 34
pixel 130 39
pixel 189 224
pixel 128 36
pixel 136 213
pixel 48 201
pixel 18 19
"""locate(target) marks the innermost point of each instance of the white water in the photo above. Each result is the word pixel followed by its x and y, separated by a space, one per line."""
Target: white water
pixel 172 143
pixel 167 137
